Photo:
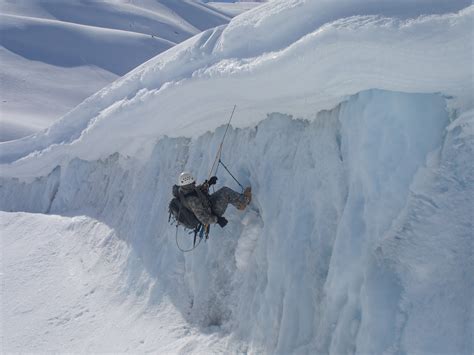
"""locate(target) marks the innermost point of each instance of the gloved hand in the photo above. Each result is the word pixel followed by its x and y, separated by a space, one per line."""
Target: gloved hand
pixel 212 180
pixel 221 221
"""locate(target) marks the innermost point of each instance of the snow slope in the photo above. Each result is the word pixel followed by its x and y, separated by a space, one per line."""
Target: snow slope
pixel 355 130
pixel 234 8
pixel 346 50
pixel 56 53
pixel 67 274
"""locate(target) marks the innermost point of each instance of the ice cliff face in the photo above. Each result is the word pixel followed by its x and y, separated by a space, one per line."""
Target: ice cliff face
pixel 358 240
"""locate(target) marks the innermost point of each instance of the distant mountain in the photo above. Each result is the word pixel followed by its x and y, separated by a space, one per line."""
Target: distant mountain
pixel 234 8
pixel 54 53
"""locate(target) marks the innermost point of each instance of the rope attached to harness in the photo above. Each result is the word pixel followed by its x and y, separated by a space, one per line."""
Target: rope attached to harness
pixel 218 161
pixel 233 177
pixel 219 151
pixel 202 231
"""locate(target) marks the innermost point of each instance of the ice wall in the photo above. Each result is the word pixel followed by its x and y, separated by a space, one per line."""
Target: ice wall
pixel 358 238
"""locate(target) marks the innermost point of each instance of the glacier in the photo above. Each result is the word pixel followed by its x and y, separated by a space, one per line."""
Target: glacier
pixel 354 129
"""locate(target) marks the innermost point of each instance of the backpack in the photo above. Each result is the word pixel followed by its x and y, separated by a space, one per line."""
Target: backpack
pixel 181 214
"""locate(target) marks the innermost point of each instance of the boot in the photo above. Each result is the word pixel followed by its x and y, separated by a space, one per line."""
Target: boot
pixel 247 198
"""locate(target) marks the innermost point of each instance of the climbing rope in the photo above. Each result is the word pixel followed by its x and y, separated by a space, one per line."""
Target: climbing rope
pixel 219 151
pixel 218 161
pixel 233 177
pixel 186 250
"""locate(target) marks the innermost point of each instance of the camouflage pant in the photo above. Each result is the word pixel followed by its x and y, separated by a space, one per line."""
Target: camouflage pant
pixel 222 197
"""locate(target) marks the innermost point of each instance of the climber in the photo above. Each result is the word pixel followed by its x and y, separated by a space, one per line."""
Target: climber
pixel 208 208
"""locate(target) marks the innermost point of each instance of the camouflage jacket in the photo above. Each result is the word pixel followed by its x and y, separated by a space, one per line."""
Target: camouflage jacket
pixel 198 202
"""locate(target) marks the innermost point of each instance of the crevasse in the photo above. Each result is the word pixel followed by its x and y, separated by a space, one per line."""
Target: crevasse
pixel 358 217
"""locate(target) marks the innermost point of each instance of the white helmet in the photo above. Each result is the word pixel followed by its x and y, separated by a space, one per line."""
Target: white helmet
pixel 185 178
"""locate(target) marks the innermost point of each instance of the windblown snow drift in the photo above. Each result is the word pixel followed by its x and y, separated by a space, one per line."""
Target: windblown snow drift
pixel 354 127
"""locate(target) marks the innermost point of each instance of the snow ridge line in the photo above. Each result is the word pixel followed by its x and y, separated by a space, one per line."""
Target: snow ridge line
pixel 192 70
pixel 36 20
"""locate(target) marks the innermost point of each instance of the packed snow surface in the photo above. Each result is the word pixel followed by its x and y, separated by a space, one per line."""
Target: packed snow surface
pixel 55 54
pixel 67 274
pixel 355 128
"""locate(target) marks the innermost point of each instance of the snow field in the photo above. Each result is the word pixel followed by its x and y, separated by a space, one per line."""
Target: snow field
pixel 347 51
pixel 63 289
pixel 234 8
pixel 55 54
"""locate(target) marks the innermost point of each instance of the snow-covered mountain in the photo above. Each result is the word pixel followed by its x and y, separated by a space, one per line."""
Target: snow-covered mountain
pixel 233 8
pixel 55 53
pixel 354 126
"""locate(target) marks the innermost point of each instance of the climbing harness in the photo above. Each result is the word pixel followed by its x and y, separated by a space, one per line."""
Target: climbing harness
pixel 201 230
